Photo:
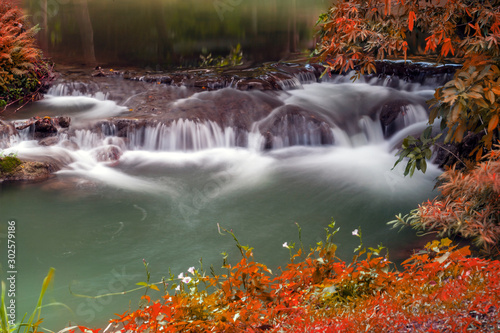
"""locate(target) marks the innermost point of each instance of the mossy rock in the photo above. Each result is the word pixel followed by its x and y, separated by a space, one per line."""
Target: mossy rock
pixel 9 164
pixel 27 171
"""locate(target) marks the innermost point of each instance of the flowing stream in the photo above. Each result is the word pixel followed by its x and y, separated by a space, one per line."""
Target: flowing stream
pixel 161 201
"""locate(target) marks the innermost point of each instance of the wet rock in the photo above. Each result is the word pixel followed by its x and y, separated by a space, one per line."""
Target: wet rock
pixel 254 84
pixel 44 128
pixel 69 145
pixel 457 154
pixel 291 125
pixel 29 171
pixel 49 141
pixel 63 122
pixel 389 115
pixel 6 129
pixel 107 154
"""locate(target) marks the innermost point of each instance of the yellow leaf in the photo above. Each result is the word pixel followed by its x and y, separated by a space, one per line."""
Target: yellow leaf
pixel 445 242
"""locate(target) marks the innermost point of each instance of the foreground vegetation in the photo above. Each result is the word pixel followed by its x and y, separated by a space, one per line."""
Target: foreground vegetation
pixel 23 72
pixel 438 289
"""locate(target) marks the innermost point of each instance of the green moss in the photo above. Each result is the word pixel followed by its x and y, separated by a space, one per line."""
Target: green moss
pixel 9 163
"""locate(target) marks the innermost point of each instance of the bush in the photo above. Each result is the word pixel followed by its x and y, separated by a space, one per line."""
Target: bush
pixel 439 289
pixel 23 72
pixel 469 206
pixel 356 33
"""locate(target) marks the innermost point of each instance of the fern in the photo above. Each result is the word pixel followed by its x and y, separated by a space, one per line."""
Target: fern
pixel 22 68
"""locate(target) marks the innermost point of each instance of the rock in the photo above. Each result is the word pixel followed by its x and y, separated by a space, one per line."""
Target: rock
pixel 107 154
pixel 457 153
pixel 389 115
pixel 49 141
pixel 6 129
pixel 44 128
pixel 63 122
pixel 291 125
pixel 29 171
pixel 254 84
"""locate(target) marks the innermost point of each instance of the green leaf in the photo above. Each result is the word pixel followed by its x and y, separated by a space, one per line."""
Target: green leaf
pixel 423 166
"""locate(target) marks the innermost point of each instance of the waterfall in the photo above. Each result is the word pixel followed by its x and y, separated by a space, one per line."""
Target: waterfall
pixel 326 114
pixel 182 135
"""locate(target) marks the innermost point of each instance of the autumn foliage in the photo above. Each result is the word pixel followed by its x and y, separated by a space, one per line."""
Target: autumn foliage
pixel 469 206
pixel 356 33
pixel 22 70
pixel 439 289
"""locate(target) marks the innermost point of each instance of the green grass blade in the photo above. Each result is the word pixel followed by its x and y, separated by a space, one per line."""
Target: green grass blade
pixel 3 312
pixel 37 311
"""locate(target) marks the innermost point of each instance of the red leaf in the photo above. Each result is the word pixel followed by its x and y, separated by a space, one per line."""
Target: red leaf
pixel 411 19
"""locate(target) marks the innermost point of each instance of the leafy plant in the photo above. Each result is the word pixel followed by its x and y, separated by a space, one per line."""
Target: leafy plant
pixel 9 163
pixel 438 289
pixel 234 58
pixel 34 321
pixel 356 33
pixel 469 206
pixel 23 72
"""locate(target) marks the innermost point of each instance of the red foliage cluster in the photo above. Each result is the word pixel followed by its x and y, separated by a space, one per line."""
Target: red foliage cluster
pixel 440 289
pixel 356 33
pixel 22 69
pixel 469 205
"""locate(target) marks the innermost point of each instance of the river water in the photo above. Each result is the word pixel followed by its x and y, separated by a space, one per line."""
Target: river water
pixel 96 221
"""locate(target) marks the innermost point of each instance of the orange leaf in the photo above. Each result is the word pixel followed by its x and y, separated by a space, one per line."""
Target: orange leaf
pixel 496 90
pixel 493 123
pixel 411 19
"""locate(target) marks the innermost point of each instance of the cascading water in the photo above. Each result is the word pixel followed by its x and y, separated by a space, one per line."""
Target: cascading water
pixel 154 188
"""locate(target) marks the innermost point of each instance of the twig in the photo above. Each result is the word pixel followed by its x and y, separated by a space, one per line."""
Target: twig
pixel 449 151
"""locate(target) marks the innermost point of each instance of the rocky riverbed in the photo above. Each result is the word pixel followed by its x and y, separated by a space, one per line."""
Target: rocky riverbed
pixel 152 99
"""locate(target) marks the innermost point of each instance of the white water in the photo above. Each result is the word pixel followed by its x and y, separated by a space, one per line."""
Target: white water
pixel 98 219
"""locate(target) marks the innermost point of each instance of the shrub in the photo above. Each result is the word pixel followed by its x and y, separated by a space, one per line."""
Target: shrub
pixel 23 72
pixel 469 206
pixel 356 33
pixel 439 289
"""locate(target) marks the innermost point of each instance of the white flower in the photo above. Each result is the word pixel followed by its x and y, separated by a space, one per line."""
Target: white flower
pixel 355 232
pixel 180 276
pixel 191 270
pixel 285 244
pixel 178 288
pixel 186 280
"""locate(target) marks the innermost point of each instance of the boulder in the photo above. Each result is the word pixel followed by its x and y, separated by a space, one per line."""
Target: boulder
pixel 107 153
pixel 29 171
